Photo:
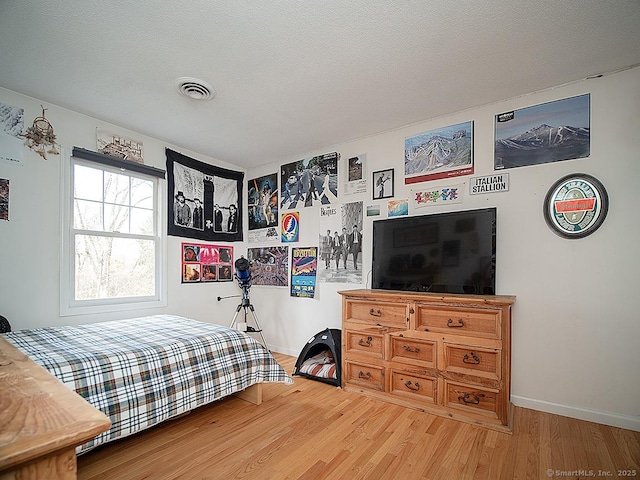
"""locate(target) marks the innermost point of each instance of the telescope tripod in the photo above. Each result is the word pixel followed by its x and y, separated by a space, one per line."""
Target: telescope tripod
pixel 248 307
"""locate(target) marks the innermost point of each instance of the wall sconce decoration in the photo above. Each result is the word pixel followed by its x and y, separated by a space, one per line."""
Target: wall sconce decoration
pixel 40 135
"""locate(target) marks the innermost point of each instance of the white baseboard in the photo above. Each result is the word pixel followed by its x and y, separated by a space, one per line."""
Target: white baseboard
pixel 284 351
pixel 606 418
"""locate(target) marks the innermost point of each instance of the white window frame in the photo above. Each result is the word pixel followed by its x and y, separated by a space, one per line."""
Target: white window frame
pixel 68 304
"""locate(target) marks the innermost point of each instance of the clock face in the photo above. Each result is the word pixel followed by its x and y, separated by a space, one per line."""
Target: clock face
pixel 576 205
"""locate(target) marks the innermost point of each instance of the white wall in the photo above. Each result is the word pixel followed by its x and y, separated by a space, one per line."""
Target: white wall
pixel 575 322
pixel 29 241
pixel 575 328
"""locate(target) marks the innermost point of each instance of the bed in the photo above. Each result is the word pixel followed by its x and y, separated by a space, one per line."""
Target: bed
pixel 145 370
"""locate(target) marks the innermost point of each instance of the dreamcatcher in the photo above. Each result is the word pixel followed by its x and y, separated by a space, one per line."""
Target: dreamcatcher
pixel 40 135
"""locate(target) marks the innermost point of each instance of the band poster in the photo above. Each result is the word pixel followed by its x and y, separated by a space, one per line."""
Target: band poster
pixel 263 209
pixel 340 242
pixel 203 200
pixel 206 263
pixel 304 262
pixel 309 182
pixel 269 266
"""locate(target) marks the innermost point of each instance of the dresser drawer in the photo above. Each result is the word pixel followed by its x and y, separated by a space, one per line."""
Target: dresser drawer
pixel 412 351
pixel 368 376
pixel 470 360
pixel 472 399
pixel 364 341
pixel 413 386
pixel 377 313
pixel 475 322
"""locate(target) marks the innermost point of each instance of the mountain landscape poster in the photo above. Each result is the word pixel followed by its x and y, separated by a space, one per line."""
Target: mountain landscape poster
pixel 441 153
pixel 550 132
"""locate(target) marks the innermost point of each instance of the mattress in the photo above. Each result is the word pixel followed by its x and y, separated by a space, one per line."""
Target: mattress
pixel 145 370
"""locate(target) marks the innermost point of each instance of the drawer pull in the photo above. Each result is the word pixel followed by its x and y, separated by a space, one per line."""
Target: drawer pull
pixel 412 350
pixel 365 376
pixel 459 324
pixel 366 343
pixel 469 399
pixel 375 313
pixel 410 385
pixel 473 360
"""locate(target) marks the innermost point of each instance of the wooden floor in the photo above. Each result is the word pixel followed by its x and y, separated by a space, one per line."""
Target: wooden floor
pixel 314 431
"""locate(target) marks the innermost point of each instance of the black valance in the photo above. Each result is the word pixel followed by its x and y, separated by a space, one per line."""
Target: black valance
pixel 117 162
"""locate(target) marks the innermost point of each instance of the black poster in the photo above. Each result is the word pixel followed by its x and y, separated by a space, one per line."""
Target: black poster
pixel 203 200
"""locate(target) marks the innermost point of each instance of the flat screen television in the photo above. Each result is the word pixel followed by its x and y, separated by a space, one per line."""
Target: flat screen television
pixel 452 252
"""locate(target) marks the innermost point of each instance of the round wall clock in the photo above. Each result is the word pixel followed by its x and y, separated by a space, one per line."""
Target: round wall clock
pixel 576 205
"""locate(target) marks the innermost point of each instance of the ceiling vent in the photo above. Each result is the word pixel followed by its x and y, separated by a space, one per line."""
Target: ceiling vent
pixel 194 88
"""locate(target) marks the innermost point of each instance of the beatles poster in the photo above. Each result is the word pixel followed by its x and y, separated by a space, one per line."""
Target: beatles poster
pixel 309 182
pixel 269 266
pixel 206 263
pixel 340 241
pixel 442 153
pixel 203 200
pixel 262 208
pixel 304 262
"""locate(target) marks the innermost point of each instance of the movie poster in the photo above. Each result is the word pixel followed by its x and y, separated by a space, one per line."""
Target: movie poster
pixel 269 266
pixel 203 200
pixel 340 241
pixel 309 182
pixel 303 271
pixel 262 208
pixel 206 263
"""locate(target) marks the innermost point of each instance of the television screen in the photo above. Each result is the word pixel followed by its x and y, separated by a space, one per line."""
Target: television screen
pixel 453 252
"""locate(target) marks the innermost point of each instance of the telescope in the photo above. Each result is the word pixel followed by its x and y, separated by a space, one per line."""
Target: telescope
pixel 243 276
pixel 243 272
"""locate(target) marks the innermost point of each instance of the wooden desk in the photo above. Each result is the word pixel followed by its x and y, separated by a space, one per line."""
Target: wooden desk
pixel 41 420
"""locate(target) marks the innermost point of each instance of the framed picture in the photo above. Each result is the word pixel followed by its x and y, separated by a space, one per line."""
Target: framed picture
pixel 383 184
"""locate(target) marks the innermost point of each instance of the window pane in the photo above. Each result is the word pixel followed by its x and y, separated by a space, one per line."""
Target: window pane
pixel 116 188
pixel 87 183
pixel 87 215
pixel 141 193
pixel 108 267
pixel 142 221
pixel 116 218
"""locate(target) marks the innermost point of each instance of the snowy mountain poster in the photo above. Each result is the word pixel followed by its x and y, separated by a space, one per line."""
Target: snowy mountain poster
pixel 550 132
pixel 442 153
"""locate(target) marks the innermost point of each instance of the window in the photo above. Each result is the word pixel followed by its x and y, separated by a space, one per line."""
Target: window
pixel 111 245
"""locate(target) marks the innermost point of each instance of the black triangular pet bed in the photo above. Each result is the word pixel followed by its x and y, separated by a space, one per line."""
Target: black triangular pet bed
pixel 328 339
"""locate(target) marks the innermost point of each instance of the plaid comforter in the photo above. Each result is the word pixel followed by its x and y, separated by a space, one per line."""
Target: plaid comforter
pixel 142 371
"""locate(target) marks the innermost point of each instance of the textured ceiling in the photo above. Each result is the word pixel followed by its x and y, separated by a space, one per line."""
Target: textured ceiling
pixel 293 76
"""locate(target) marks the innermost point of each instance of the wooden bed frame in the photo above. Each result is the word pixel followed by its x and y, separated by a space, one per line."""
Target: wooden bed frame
pixel 42 421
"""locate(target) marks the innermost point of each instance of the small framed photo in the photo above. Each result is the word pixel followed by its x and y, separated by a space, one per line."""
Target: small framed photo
pixel 383 184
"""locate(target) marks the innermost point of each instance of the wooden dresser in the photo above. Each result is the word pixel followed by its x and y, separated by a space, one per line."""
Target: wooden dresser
pixel 41 420
pixel 445 354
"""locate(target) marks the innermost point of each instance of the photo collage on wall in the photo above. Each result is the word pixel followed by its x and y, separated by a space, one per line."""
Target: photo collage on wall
pixel 206 263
